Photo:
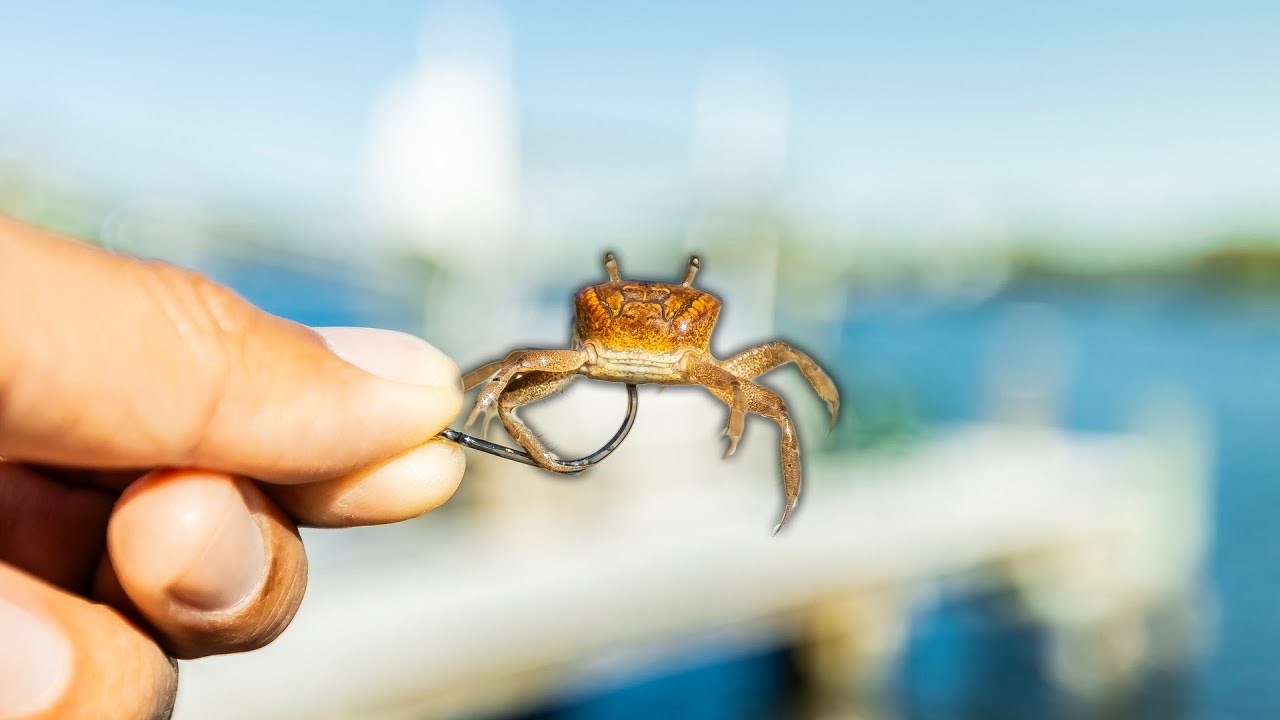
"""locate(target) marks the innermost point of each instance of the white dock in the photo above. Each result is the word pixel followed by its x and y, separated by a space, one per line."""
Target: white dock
pixel 532 588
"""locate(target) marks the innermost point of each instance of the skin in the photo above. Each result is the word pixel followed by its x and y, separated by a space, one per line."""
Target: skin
pixel 161 442
pixel 629 331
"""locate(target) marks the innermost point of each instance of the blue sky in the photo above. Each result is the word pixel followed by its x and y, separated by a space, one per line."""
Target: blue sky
pixel 1095 108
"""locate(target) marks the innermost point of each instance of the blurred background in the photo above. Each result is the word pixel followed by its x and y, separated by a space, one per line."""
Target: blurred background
pixel 1037 245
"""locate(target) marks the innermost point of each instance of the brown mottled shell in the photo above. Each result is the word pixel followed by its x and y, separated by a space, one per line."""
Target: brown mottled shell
pixel 629 317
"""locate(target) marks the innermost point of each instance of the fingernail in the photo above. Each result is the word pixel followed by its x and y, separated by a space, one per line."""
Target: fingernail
pixel 392 355
pixel 35 662
pixel 227 565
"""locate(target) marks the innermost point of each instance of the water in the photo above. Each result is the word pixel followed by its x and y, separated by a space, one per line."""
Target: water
pixel 1222 354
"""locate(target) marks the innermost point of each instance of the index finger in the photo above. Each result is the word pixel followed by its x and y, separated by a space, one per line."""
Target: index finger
pixel 112 362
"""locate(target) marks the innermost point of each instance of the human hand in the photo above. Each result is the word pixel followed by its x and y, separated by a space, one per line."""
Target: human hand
pixel 161 439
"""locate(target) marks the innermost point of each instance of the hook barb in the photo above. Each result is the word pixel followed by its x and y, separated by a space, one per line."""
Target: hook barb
pixel 520 456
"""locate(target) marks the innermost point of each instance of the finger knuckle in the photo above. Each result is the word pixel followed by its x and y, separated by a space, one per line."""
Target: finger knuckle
pixel 208 323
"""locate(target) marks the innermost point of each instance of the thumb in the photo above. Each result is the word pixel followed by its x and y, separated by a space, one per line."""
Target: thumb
pixel 114 362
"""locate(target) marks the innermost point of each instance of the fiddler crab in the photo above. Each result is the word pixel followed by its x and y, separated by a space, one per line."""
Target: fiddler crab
pixel 635 332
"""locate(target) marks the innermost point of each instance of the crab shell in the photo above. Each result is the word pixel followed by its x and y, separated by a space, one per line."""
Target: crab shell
pixel 654 321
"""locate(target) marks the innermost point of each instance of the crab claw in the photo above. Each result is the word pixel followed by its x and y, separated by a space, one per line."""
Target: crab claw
pixel 484 402
pixel 488 420
pixel 733 432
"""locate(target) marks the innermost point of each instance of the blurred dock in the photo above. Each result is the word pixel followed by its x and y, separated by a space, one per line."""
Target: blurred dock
pixel 535 590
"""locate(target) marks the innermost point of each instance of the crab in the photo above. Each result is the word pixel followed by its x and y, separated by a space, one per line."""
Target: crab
pixel 636 332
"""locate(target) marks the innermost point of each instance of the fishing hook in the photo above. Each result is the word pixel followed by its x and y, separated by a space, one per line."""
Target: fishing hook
pixel 520 456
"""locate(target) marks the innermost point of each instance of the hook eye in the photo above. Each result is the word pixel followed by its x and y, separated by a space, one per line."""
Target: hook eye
pixel 520 456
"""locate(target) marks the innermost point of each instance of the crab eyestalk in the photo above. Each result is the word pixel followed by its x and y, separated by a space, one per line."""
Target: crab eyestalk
pixel 611 264
pixel 694 265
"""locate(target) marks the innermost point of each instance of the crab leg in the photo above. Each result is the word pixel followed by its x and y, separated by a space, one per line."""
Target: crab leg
pixel 756 361
pixel 484 372
pixel 481 374
pixel 710 375
pixel 761 401
pixel 523 361
pixel 528 389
